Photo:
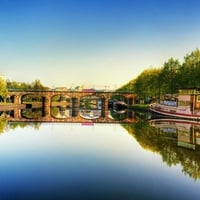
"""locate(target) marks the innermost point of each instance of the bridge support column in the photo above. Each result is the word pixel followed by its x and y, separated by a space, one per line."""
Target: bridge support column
pixel 17 99
pixel 130 101
pixel 75 106
pixel 17 113
pixel 47 106
pixel 105 108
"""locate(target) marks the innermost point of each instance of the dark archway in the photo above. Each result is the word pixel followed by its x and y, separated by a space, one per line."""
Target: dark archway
pixel 61 106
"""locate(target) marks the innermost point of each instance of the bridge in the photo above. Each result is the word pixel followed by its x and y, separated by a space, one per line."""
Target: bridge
pixel 69 101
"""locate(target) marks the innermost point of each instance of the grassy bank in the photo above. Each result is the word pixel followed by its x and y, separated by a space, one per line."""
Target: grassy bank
pixel 144 107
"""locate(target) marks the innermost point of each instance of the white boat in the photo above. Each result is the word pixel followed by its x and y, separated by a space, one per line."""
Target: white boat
pixel 186 104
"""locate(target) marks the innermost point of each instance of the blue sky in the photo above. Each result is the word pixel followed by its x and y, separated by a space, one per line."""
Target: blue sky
pixel 93 42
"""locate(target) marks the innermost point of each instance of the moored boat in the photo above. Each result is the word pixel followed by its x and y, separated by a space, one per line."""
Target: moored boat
pixel 186 104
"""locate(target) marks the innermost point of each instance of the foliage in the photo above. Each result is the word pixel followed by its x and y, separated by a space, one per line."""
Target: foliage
pixel 190 70
pixel 14 125
pixel 3 88
pixel 36 85
pixel 168 78
pixel 3 122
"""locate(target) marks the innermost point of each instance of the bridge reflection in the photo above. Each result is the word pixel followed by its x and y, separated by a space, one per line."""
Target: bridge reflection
pixel 53 106
pixel 63 114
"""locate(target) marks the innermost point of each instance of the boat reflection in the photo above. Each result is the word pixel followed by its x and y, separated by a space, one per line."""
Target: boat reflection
pixel 187 132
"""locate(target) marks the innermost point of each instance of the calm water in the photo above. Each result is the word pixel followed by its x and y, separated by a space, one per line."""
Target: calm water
pixel 103 161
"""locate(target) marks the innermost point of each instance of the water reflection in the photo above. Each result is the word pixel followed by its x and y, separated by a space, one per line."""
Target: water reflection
pixel 71 161
pixel 186 132
pixel 61 112
pixel 177 141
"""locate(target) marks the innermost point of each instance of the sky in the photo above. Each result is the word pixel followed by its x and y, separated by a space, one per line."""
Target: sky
pixel 93 43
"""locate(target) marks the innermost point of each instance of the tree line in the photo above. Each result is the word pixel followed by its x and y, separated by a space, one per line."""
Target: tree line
pixel 6 85
pixel 169 78
pixel 35 85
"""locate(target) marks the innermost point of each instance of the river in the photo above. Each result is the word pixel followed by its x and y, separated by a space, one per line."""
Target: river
pixel 139 160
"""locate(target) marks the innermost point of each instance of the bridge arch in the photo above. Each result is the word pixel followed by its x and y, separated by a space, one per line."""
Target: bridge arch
pixel 91 106
pixel 27 98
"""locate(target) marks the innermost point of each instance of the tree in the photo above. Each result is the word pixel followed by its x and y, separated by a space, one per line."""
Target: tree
pixel 190 70
pixel 147 84
pixel 3 89
pixel 37 85
pixel 3 122
pixel 169 73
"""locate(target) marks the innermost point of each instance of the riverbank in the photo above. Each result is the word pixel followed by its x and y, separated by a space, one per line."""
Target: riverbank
pixel 142 107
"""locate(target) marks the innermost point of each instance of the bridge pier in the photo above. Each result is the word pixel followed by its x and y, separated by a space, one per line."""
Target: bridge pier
pixel 75 106
pixel 105 109
pixel 17 99
pixel 129 101
pixel 17 113
pixel 47 106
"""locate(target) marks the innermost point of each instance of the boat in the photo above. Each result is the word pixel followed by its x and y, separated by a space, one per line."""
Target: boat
pixel 185 104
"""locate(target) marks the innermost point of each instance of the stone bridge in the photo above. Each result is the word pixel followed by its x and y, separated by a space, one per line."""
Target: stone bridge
pixel 75 96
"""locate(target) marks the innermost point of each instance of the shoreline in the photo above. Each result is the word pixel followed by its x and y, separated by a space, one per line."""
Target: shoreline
pixel 142 107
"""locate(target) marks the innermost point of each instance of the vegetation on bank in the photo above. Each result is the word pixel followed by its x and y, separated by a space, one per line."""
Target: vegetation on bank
pixel 3 88
pixel 6 85
pixel 142 107
pixel 36 85
pixel 169 78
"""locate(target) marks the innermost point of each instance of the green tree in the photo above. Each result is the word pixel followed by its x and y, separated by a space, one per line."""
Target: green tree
pixel 147 83
pixel 169 81
pixel 37 85
pixel 3 89
pixel 169 78
pixel 127 87
pixel 12 85
pixel 190 70
pixel 3 122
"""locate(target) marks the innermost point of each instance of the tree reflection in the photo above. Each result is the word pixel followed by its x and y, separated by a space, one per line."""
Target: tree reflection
pixel 6 126
pixel 3 122
pixel 166 144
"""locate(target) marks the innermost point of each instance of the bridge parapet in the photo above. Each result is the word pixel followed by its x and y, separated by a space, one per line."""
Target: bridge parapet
pixel 72 94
